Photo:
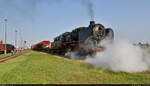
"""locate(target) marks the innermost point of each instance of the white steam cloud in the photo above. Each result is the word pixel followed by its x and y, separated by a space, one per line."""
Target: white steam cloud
pixel 121 55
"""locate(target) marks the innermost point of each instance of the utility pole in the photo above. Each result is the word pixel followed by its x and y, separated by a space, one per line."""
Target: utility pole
pixel 5 51
pixel 1 42
pixel 0 29
pixel 25 44
pixel 16 38
pixel 21 39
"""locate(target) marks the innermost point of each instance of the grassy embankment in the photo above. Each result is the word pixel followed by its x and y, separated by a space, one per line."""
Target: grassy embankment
pixel 35 67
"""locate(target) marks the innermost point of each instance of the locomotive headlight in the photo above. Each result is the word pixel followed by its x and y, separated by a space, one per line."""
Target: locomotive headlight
pixel 96 29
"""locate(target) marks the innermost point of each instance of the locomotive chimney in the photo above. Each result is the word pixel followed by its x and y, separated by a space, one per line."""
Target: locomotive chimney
pixel 92 23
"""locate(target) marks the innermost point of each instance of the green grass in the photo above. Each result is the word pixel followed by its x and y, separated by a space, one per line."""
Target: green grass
pixel 3 55
pixel 39 68
pixel 8 54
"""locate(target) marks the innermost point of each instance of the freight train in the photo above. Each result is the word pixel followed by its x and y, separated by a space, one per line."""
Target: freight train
pixel 83 40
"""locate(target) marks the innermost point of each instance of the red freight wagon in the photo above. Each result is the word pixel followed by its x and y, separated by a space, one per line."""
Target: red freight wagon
pixel 40 46
pixel 9 47
pixel 2 47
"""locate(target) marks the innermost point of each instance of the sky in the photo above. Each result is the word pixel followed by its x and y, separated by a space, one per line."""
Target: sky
pixel 38 20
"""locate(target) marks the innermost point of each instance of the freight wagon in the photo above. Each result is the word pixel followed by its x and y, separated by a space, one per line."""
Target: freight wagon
pixel 8 46
pixel 41 46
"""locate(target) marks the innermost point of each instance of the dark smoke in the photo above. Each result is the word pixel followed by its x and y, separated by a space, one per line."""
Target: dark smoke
pixel 89 6
pixel 25 8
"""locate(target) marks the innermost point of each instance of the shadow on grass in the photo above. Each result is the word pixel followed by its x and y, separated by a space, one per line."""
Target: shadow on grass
pixel 116 72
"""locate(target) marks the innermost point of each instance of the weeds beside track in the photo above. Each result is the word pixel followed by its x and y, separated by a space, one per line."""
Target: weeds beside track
pixel 3 59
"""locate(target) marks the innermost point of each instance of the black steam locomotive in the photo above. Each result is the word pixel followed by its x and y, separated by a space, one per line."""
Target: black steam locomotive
pixel 83 40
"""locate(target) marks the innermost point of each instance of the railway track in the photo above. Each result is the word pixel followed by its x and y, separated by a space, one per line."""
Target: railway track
pixel 12 56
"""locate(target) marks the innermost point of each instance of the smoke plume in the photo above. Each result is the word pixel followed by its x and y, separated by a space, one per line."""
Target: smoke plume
pixel 24 8
pixel 28 8
pixel 89 6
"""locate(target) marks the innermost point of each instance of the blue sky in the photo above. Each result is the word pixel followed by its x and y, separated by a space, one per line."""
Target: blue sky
pixel 38 20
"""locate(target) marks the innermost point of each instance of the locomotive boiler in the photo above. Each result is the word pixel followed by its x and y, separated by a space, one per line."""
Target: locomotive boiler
pixel 83 40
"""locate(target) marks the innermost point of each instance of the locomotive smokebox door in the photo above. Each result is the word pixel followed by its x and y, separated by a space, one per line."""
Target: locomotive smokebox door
pixel 98 32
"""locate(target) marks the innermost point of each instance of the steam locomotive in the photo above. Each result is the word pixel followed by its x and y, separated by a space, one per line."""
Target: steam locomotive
pixel 83 40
